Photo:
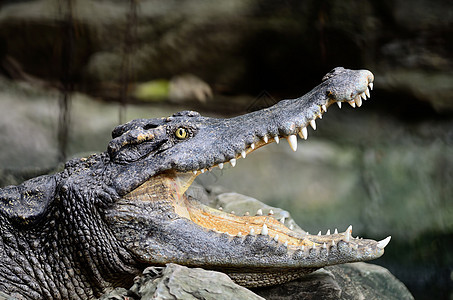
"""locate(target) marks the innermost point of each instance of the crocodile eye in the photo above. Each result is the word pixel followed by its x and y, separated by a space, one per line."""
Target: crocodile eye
pixel 181 133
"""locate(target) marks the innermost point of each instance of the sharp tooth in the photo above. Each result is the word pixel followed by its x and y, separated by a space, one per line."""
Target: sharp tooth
pixel 348 233
pixel 202 171
pixel 243 154
pixel 292 141
pixel 313 124
pixel 291 227
pixel 233 162
pixel 277 140
pixel 259 212
pixel 276 237
pixel 247 213
pixel 336 231
pixel 328 232
pixel 220 166
pixel 252 231
pixel 220 208
pixel 367 93
pixel 265 139
pixel 320 116
pixel 286 243
pixel 303 133
pixel 319 233
pixel 271 212
pixel 349 229
pixel 264 230
pixel 324 246
pixel 352 103
pixel 314 246
pixel 370 85
pixel 384 242
pixel 302 248
pixel 233 212
pixel 339 104
pixel 363 96
pixel 356 247
pixel 282 220
pixel 252 145
pixel 324 107
pixel 333 243
pixel 195 172
pixel 358 100
pixel 239 234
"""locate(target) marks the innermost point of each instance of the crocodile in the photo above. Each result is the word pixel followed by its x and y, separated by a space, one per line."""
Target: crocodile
pixel 104 218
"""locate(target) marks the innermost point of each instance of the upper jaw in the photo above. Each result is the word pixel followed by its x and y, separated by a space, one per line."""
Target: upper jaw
pixel 285 120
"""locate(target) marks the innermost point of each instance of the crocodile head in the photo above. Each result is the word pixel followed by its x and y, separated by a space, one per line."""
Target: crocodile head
pixel 156 160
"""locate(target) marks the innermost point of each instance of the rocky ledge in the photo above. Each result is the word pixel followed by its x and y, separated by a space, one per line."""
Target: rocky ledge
pixel 348 281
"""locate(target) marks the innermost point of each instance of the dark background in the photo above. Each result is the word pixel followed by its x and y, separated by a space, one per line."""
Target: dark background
pixel 69 72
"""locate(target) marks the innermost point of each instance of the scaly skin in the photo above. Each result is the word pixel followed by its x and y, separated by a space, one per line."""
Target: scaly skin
pixel 99 222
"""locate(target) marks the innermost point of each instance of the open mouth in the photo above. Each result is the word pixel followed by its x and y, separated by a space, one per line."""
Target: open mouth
pixel 172 185
pixel 160 223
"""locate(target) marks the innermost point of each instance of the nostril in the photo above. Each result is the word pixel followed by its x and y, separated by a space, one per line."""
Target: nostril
pixel 149 126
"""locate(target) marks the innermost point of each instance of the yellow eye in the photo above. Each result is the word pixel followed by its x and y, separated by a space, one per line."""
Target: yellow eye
pixel 181 133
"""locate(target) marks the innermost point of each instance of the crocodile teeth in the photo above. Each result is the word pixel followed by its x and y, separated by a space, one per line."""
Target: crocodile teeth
pixel 247 213
pixel 259 212
pixel 336 231
pixel 324 107
pixel 239 234
pixel 333 243
pixel 363 95
pixel 202 171
pixel 291 227
pixel 324 246
pixel 303 133
pixel 348 233
pixel 347 236
pixel 302 248
pixel 252 231
pixel 243 154
pixel 328 232
pixel 292 141
pixel 277 140
pixel 339 104
pixel 314 247
pixel 370 85
pixel 313 124
pixel 264 230
pixel 352 103
pixel 233 162
pixel 195 172
pixel 384 242
pixel 367 93
pixel 276 237
pixel 220 166
pixel 358 100
pixel 271 212
pixel 319 233
pixel 265 139
pixel 282 220
pixel 286 244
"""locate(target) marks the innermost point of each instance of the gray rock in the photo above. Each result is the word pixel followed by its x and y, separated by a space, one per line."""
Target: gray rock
pixel 349 282
pixel 179 282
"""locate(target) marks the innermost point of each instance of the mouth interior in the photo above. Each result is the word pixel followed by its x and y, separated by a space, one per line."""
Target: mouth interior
pixel 172 186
